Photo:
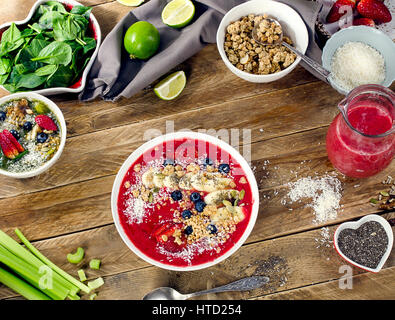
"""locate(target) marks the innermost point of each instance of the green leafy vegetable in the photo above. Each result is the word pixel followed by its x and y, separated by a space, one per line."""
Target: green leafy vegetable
pixel 51 50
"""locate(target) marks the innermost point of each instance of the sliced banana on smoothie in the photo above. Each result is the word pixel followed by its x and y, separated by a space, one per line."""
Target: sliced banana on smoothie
pixel 171 181
pixel 185 182
pixel 223 214
pixel 216 197
pixel 209 182
pixel 158 180
pixel 148 178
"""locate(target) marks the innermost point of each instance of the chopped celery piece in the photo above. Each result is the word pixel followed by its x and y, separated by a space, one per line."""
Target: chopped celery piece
pixel 97 283
pixel 76 284
pixel 93 296
pixel 77 256
pixel 94 264
pixel 73 297
pixel 21 287
pixel 82 275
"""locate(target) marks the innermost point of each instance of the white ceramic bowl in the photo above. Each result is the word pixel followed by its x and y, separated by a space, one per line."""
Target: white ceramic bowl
pixel 368 35
pixel 355 225
pixel 292 24
pixel 80 84
pixel 63 132
pixel 168 137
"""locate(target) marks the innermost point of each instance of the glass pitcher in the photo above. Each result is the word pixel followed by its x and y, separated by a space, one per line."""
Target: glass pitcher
pixel 361 139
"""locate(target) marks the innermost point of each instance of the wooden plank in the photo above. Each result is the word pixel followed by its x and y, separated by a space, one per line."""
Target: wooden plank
pixel 366 286
pixel 59 210
pixel 128 277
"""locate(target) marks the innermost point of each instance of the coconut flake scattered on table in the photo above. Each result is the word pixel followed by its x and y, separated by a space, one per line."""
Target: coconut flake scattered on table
pixel 325 194
pixel 355 64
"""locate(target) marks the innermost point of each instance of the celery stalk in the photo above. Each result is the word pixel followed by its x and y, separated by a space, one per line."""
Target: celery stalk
pixel 15 248
pixel 31 274
pixel 20 286
pixel 97 283
pixel 49 263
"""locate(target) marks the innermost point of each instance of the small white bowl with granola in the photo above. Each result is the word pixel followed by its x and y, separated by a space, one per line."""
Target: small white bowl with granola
pixel 250 60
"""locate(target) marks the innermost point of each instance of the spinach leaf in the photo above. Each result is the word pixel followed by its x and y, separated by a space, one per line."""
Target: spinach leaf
pixel 30 81
pixel 47 19
pixel 56 6
pixel 5 66
pixel 81 10
pixel 56 52
pixel 3 78
pixel 65 28
pixel 12 38
pixel 61 78
pixel 46 70
pixel 90 44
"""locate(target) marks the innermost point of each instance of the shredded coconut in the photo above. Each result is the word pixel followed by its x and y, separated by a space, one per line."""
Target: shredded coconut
pixel 325 193
pixel 355 64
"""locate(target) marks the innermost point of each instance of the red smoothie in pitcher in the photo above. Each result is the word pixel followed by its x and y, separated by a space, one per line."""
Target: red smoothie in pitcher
pixel 360 141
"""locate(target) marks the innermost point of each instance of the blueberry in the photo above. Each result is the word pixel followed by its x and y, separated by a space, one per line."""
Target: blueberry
pixel 212 228
pixel 200 205
pixel 2 115
pixel 208 162
pixel 42 137
pixel 27 126
pixel 176 195
pixel 168 162
pixel 186 214
pixel 224 168
pixel 188 230
pixel 15 134
pixel 195 196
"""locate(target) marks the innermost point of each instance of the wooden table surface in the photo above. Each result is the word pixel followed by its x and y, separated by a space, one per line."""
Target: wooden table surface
pixel 69 206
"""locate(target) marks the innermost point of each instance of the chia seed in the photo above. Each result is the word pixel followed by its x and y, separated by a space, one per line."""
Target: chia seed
pixel 365 245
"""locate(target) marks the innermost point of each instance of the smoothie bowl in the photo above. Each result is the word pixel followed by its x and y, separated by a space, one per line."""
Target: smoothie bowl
pixel 32 134
pixel 185 201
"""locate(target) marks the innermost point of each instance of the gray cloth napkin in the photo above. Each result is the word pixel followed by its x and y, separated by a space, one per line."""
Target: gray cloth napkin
pixel 115 75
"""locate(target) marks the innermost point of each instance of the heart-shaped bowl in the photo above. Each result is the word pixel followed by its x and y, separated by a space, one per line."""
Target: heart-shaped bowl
pixel 94 28
pixel 355 225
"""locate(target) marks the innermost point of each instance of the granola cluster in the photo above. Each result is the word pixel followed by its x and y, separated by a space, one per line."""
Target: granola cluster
pixel 248 55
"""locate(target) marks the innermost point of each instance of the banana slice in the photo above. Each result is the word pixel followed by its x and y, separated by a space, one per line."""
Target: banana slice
pixel 171 181
pixel 148 179
pixel 238 214
pixel 209 182
pixel 222 214
pixel 218 196
pixel 185 182
pixel 158 180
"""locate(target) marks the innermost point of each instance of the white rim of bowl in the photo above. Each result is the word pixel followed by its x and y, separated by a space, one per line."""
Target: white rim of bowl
pixel 189 135
pixel 63 132
pixel 257 76
pixel 84 74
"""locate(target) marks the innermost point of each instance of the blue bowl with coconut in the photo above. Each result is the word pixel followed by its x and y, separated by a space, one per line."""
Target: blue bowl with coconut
pixel 359 55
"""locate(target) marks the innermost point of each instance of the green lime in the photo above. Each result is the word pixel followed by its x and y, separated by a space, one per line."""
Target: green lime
pixel 178 13
pixel 141 40
pixel 131 3
pixel 171 87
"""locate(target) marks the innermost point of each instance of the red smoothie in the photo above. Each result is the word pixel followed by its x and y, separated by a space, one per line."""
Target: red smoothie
pixel 364 149
pixel 165 210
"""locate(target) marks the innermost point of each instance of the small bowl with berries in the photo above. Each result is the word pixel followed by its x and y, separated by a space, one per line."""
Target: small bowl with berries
pixel 32 134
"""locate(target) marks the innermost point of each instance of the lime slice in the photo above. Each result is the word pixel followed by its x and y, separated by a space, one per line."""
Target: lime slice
pixel 131 3
pixel 171 87
pixel 178 13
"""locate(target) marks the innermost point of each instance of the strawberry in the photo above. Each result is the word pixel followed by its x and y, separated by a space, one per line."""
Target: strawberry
pixel 12 139
pixel 339 9
pixel 375 10
pixel 364 22
pixel 46 123
pixel 9 150
pixel 167 230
